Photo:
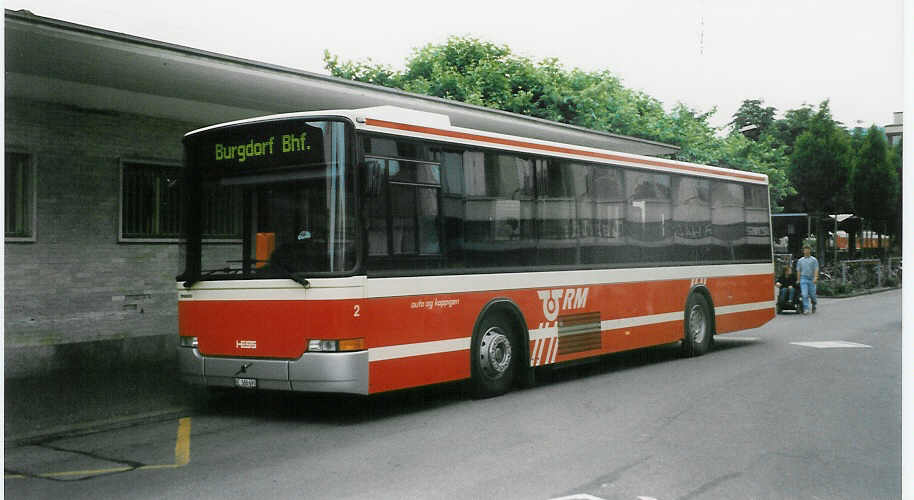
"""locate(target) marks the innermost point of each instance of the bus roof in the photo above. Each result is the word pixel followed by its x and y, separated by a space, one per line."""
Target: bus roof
pixel 434 126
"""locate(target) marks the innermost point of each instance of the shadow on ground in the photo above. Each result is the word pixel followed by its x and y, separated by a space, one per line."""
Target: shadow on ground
pixel 340 409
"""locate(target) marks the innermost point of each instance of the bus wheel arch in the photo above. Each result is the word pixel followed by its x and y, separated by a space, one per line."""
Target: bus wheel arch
pixel 699 323
pixel 499 324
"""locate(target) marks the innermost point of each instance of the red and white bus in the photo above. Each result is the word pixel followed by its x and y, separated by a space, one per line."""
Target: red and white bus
pixel 369 250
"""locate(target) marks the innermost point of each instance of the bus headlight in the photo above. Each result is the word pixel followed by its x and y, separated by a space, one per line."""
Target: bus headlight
pixel 188 341
pixel 317 345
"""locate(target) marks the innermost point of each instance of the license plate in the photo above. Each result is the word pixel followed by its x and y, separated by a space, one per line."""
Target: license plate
pixel 246 383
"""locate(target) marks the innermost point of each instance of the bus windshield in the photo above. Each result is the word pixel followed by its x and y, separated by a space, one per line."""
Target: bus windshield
pixel 270 200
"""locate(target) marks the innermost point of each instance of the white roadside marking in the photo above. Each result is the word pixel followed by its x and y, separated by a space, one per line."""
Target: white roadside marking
pixel 578 496
pixel 833 344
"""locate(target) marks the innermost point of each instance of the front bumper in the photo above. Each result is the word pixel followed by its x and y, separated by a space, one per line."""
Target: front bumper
pixel 345 372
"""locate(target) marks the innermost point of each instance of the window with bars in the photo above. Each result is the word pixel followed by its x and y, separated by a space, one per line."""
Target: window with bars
pixel 19 213
pixel 151 201
pixel 151 198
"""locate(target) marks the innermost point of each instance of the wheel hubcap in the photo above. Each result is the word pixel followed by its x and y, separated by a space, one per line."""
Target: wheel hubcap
pixel 697 324
pixel 495 352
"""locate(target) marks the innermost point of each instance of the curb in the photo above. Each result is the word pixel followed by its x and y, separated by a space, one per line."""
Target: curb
pixel 870 291
pixel 83 428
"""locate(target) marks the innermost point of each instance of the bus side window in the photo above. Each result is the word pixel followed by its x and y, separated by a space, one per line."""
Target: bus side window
pixel 414 190
pixel 727 220
pixel 376 205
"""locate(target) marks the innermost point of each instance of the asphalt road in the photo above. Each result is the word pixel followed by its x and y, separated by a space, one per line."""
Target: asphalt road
pixel 758 417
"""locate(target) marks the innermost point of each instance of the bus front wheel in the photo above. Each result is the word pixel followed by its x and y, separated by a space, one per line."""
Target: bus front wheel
pixel 698 329
pixel 495 353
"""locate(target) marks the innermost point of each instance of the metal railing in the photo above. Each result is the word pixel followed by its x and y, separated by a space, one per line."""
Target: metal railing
pixel 871 273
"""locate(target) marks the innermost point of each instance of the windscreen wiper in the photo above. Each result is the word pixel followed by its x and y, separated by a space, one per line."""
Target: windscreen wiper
pixel 296 277
pixel 209 272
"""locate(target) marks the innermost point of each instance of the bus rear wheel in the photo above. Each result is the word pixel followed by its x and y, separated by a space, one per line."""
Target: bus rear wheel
pixel 698 326
pixel 495 354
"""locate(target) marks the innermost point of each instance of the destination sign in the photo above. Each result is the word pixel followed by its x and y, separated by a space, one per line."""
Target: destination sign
pixel 260 146
pixel 288 143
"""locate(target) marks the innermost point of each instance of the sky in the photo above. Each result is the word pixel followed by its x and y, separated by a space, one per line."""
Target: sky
pixel 706 54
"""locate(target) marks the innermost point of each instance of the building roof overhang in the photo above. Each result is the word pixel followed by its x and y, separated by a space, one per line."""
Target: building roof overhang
pixel 55 61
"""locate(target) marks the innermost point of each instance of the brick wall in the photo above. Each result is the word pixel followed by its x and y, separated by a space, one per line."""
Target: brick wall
pixel 76 285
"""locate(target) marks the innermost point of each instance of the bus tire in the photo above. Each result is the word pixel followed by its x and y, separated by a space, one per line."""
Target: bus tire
pixel 697 327
pixel 495 354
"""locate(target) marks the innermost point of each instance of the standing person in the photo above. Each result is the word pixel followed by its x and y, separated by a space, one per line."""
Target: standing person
pixel 808 270
pixel 786 283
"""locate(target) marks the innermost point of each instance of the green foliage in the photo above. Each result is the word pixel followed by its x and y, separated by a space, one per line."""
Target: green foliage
pixel 751 112
pixel 896 159
pixel 362 72
pixel 699 143
pixel 834 288
pixel 485 74
pixel 788 129
pixel 820 164
pixel 857 137
pixel 874 181
pixel 764 156
pixel 491 75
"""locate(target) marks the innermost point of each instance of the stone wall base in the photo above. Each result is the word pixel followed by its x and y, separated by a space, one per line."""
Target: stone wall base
pixel 97 356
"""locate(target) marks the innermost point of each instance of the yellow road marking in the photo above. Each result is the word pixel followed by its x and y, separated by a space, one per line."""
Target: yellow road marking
pixel 182 458
pixel 158 467
pixel 94 472
pixel 182 446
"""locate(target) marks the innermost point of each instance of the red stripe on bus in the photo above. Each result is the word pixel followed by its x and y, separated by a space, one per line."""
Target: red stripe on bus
pixel 416 371
pixel 554 149
pixel 726 323
pixel 741 289
pixel 624 339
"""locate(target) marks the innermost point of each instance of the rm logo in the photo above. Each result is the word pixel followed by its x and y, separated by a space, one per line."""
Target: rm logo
pixel 562 299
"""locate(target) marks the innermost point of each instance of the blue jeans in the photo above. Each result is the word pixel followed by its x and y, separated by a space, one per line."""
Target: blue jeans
pixel 786 292
pixel 808 288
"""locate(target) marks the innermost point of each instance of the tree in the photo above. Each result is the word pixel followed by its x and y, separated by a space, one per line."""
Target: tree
pixel 764 156
pixel 857 137
pixel 796 121
pixel 486 74
pixel 820 168
pixel 896 158
pixel 751 112
pixel 874 181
